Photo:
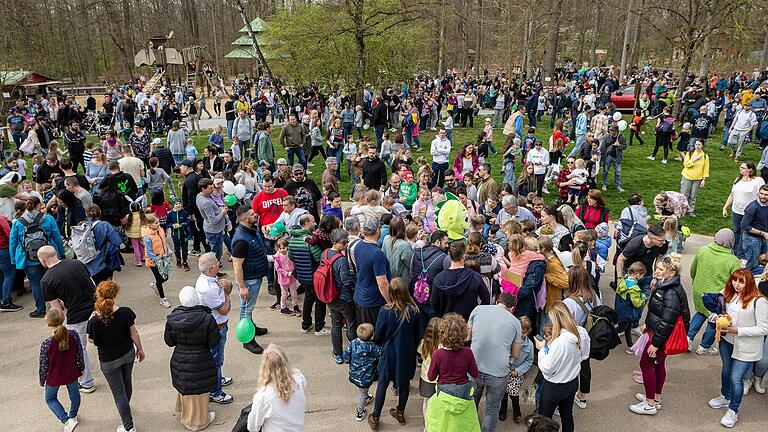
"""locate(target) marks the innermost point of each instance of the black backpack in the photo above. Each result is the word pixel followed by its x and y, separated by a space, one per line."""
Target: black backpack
pixel 603 336
pixel 34 236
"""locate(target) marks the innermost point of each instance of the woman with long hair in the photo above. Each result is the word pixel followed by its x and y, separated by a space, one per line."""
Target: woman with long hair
pixel 743 192
pixel 61 363
pixel 593 212
pixel 96 169
pixel 580 302
pixel 246 176
pixel 397 249
pixel 527 182
pixel 278 404
pixel 553 226
pixel 112 329
pixel 742 342
pixel 570 220
pixel 560 357
pixel 397 331
pixel 466 161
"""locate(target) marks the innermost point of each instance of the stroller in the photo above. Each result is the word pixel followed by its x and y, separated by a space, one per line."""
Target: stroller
pixel 104 123
pixel 89 124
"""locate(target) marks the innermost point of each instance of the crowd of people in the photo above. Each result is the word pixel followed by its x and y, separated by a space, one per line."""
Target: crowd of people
pixel 448 266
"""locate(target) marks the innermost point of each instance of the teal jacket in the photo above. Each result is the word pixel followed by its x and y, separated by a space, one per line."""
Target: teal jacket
pixel 16 240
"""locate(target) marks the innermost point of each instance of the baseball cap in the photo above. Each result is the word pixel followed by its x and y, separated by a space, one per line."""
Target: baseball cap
pixel 370 226
pixel 187 163
pixel 298 168
pixel 613 128
pixel 282 161
pixel 263 162
pixel 157 141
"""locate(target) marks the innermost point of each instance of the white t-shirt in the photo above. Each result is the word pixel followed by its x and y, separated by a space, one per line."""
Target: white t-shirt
pixel 539 159
pixel 744 120
pixel 744 193
pixel 132 166
pixel 212 295
pixel 272 414
pixel 466 165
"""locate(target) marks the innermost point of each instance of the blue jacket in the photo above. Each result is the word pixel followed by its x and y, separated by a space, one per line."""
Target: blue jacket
pixel 180 217
pixel 103 233
pixel 524 360
pixel 526 296
pixel 342 277
pixel 603 245
pixel 363 359
pixel 16 241
pixel 581 124
pixel 255 265
pixel 755 216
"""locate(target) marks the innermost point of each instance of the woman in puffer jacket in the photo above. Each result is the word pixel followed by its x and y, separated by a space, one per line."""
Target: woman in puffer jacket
pixel 742 342
pixel 668 302
pixel 192 331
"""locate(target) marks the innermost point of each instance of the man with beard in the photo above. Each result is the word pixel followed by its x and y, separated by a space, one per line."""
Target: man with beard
pixel 305 191
pixel 374 171
pixel 74 139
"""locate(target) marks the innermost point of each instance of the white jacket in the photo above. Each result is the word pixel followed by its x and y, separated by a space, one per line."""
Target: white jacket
pixel 752 324
pixel 560 361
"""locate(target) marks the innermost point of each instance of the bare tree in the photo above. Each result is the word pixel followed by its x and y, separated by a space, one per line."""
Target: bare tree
pixel 553 38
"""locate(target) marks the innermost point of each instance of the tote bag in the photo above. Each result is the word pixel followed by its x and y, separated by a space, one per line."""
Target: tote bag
pixel 678 340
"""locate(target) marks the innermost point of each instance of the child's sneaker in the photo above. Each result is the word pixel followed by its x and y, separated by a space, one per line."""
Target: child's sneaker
pixel 368 400
pixel 275 306
pixel 286 311
pixel 360 415
pixel 165 303
pixel 629 350
pixel 153 285
pixel 185 265
pixel 296 311
pixel 338 358
pixel 70 424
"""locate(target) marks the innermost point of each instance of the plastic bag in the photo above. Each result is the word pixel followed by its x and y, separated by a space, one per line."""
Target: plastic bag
pixel 640 345
pixel 678 340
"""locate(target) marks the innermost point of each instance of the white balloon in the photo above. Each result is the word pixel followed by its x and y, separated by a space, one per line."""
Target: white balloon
pixel 616 116
pixel 229 187
pixel 622 124
pixel 239 191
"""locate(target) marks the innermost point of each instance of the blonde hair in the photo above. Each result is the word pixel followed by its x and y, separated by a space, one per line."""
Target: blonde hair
pixel 400 300
pixel 516 245
pixel 670 226
pixel 580 164
pixel 55 320
pixel 431 340
pixel 277 372
pixel 671 262
pixel 563 320
pixel 365 331
pixel 532 244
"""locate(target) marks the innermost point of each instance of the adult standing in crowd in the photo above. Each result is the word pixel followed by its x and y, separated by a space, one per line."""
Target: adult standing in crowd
pixel 458 289
pixel 189 191
pixel 249 261
pixel 242 131
pixel 292 138
pixel 7 268
pixel 74 139
pixel 305 192
pixel 612 147
pixel 593 212
pixel 267 206
pixel 342 308
pixel 743 124
pixel 487 185
pixel 440 150
pixel 373 274
pixel 754 228
pixel 374 171
pixel 214 217
pixel 743 192
pixel 192 332
pixel 644 249
pixel 580 301
pixel 539 159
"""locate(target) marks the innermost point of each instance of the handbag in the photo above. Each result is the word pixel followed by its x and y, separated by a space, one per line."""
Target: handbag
pixel 163 265
pixel 678 340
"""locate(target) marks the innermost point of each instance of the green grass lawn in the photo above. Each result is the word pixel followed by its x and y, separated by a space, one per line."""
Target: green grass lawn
pixel 639 175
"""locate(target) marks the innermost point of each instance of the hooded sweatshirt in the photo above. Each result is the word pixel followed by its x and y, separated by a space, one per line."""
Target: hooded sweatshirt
pixel 457 290
pixel 193 332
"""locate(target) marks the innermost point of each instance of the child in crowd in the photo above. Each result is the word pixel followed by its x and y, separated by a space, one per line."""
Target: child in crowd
pixel 88 153
pixel 489 135
pixel 28 190
pixel 528 227
pixel 362 354
pixel 593 168
pixel 358 198
pixel 373 208
pixel 133 231
pixel 157 249
pixel 476 224
pixel 235 151
pixel 386 149
pixel 61 364
pixel 448 126
pixel 671 234
pixel 469 184
pixel 156 178
pixel 529 141
pixel 684 139
pixel 159 207
pixel 21 163
pixel 511 154
pixel 429 343
pixel 425 177
pixel 53 148
pixel 490 210
pixel 451 363
pixel 537 205
pixel 350 153
pixel 190 150
pixel 333 206
pixel 421 162
pixel 177 220
pixel 284 268
pixel 629 301
pixel 519 366
pixel 603 242
pixel 482 146
pixel 415 236
pixel 576 179
pixel 408 190
pixel 359 120
pixel 37 162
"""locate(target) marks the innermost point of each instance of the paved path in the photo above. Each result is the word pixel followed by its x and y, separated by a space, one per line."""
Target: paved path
pixel 692 380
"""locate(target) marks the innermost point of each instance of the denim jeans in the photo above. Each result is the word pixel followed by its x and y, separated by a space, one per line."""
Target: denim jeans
pixel 612 161
pixel 218 358
pixel 230 123
pixel 449 135
pixel 379 132
pixel 215 241
pixel 496 387
pixel 753 246
pixel 438 176
pixel 408 135
pixel 347 129
pixel 726 130
pixel 9 273
pixel 509 173
pixel 697 321
pixel 86 379
pixel 246 306
pixel 298 152
pixel 577 148
pixel 52 400
pixel 732 375
pixel 117 373
pixel 761 366
pixel 498 118
pixel 34 274
pixel 342 310
pixel 736 222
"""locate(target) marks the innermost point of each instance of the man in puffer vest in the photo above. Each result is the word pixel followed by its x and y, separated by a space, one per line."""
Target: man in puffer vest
pixel 306 258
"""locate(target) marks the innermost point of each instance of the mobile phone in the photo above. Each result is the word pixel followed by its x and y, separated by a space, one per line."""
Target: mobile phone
pixel 539 338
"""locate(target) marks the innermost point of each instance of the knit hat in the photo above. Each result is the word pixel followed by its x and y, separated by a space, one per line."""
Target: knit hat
pixel 188 297
pixel 725 238
pixel 602 230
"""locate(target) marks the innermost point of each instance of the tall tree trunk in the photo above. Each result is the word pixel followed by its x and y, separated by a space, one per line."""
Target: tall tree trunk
pixel 529 44
pixel 553 38
pixel 690 46
pixel 593 45
pixel 463 35
pixel 764 57
pixel 625 44
pixel 441 40
pixel 706 44
pixel 479 54
pixel 634 51
pixel 127 31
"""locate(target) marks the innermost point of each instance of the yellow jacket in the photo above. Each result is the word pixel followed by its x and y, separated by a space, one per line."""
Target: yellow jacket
pixel 695 169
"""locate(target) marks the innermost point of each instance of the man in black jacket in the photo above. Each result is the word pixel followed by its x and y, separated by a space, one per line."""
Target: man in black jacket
pixel 380 117
pixel 164 157
pixel 189 193
pixel 343 308
pixel 75 142
pixel 456 289
pixel 305 192
pixel 374 171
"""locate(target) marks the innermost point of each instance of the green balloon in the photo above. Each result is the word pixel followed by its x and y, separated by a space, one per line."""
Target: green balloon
pixel 230 200
pixel 245 330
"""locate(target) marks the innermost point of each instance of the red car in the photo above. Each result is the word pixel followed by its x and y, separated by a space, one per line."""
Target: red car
pixel 624 98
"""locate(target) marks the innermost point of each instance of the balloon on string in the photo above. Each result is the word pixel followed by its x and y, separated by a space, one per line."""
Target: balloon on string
pixel 622 124
pixel 245 330
pixel 230 200
pixel 616 116
pixel 229 187
pixel 239 191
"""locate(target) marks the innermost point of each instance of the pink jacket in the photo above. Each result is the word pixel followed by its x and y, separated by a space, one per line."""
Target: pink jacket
pixel 458 165
pixel 429 213
pixel 284 268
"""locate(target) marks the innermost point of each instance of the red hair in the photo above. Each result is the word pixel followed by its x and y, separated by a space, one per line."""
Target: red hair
pixel 750 291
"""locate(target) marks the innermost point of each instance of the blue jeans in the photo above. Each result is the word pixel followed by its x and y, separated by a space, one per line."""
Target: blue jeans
pixel 338 153
pixel 697 321
pixel 296 151
pixel 408 135
pixel 347 129
pixel 509 173
pixel 725 134
pixel 496 387
pixel 577 148
pixel 246 306
pixel 52 400
pixel 34 274
pixel 736 222
pixel 218 358
pixel 611 161
pixel 9 273
pixel 753 246
pixel 732 375
pixel 761 366
pixel 449 135
pixel 230 123
pixel 215 241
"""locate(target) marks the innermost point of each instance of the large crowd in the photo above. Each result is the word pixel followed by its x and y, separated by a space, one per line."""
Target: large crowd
pixel 470 274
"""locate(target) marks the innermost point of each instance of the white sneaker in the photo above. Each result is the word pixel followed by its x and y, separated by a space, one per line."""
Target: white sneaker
pixel 719 402
pixel 556 413
pixel 620 189
pixel 122 428
pixel 165 303
pixel 641 398
pixel 760 384
pixel 579 402
pixel 636 331
pixel 729 419
pixel 309 164
pixel 711 351
pixel 747 385
pixel 70 424
pixel 690 344
pixel 323 332
pixel 651 158
pixel 605 188
pixel 629 350
pixel 643 408
pixel 664 161
pixel 153 286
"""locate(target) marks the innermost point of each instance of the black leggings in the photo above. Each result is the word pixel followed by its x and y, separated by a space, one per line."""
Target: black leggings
pixel 158 281
pixel 558 396
pixel 180 249
pixel 626 327
pixel 381 394
pixel 585 377
pixel 633 133
pixel 662 141
pixel 539 183
pixel 317 150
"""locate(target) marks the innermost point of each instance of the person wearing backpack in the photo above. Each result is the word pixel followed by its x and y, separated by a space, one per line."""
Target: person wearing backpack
pixel 580 302
pixel 306 258
pixel 105 241
pixel 29 232
pixel 665 128
pixel 632 222
pixel 342 282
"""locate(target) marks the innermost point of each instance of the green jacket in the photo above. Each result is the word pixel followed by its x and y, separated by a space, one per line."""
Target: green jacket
pixel 710 270
pixel 631 292
pixel 408 193
pixel 450 413
pixel 297 241
pixel 264 149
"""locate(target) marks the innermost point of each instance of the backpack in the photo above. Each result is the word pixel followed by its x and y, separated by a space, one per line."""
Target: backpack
pixel 601 328
pixel 629 229
pixel 34 237
pixel 666 126
pixel 422 287
pixel 83 242
pixel 322 281
pixel 408 120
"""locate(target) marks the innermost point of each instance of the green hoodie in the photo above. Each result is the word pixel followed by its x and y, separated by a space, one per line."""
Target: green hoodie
pixel 298 241
pixel 408 193
pixel 450 413
pixel 710 270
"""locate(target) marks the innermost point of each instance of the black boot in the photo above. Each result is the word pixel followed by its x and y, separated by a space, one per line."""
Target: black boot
pixel 503 407
pixel 516 415
pixel 253 347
